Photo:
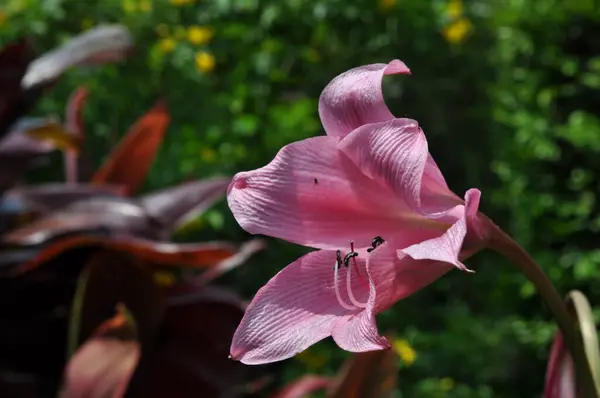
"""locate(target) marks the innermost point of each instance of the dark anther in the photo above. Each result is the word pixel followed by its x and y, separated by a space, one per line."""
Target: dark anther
pixel 378 240
pixel 316 181
pixel 348 257
pixel 338 260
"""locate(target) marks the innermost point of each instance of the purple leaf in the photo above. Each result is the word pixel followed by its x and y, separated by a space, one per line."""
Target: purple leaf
pixel 105 43
pixel 175 206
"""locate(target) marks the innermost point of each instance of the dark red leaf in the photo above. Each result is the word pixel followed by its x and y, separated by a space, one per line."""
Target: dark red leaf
pixel 366 375
pixel 191 359
pixel 27 142
pixel 17 385
pixel 103 215
pixel 160 254
pixel 247 250
pixel 74 125
pixel 188 293
pixel 23 205
pixel 103 366
pixel 28 81
pixel 129 162
pixel 55 135
pixel 303 386
pixel 560 373
pixel 53 196
pixel 74 112
pixel 110 278
pixel 34 136
pixel 175 206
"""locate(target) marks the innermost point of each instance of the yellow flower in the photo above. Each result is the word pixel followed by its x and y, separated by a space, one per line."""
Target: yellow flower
pixel 164 279
pixel 205 62
pixel 167 45
pixel 457 31
pixel 208 155
pixel 179 33
pixel 314 361
pixel 87 23
pixel 3 17
pixel 199 35
pixel 446 384
pixel 16 6
pixel 189 227
pixel 312 55
pixel 454 8
pixel 145 6
pixel 162 29
pixel 129 6
pixel 178 3
pixel 386 5
pixel 405 351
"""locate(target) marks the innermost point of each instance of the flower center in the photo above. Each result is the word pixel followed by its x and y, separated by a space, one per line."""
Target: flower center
pixel 351 257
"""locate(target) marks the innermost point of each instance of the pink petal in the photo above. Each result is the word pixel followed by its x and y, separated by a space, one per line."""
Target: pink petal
pixel 435 182
pixel 391 279
pixel 295 309
pixel 447 247
pixel 354 98
pixel 395 153
pixel 313 195
pixel 359 333
pixel 396 277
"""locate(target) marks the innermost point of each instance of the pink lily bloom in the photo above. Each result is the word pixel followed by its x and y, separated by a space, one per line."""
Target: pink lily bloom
pixel 370 181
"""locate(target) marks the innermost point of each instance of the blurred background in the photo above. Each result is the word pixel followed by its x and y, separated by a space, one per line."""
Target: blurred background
pixel 507 93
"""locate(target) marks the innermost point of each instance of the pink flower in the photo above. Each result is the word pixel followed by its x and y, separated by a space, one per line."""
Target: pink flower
pixel 370 177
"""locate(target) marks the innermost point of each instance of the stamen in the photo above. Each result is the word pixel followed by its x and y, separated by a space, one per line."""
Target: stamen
pixel 376 242
pixel 349 287
pixel 362 280
pixel 337 290
pixel 348 256
pixel 338 259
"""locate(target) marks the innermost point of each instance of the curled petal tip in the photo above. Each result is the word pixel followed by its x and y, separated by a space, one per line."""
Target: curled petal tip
pixel 355 98
pixel 238 353
pixel 233 357
pixel 238 182
pixel 464 268
pixel 408 123
pixel 472 198
pixel 397 66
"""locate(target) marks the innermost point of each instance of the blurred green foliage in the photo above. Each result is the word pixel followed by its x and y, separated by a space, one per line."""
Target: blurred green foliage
pixel 506 92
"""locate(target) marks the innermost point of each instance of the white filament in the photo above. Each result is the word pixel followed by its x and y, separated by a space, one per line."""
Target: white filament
pixel 337 290
pixel 349 288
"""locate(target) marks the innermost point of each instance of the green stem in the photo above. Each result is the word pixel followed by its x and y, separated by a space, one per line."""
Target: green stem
pixel 505 245
pixel 76 310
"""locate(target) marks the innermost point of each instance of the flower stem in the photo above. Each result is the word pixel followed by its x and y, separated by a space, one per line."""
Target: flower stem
pixel 505 245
